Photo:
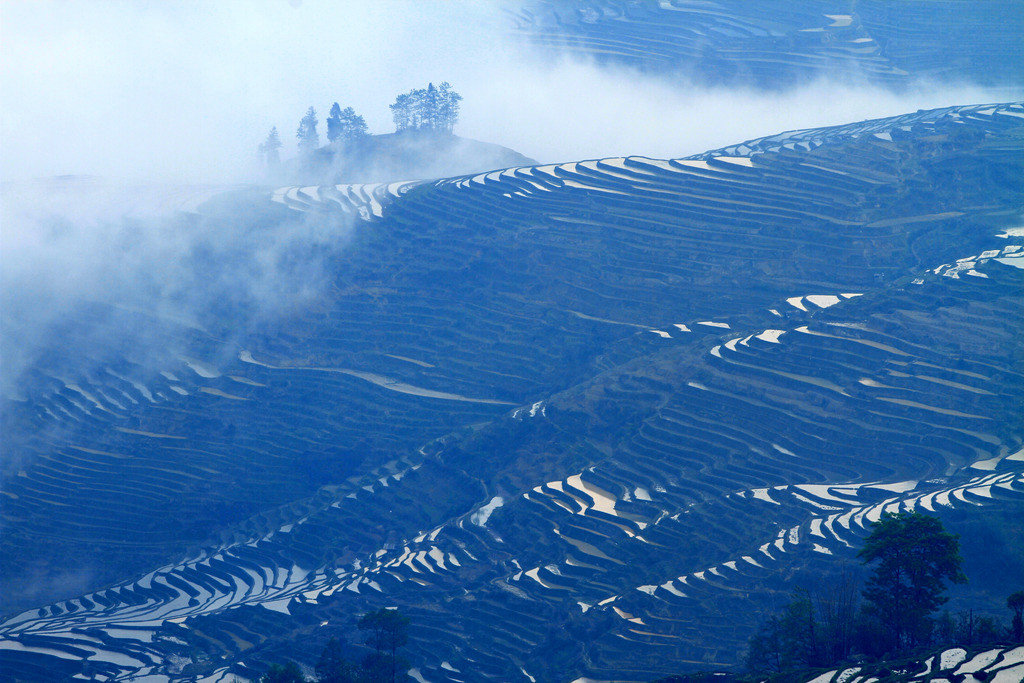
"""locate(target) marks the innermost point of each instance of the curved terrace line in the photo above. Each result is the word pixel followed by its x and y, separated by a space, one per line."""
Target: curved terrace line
pixel 381 381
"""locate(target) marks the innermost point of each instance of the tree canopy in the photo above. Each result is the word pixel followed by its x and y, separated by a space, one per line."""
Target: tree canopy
pixel 269 148
pixel 309 139
pixel 287 673
pixel 388 630
pixel 1016 603
pixel 430 108
pixel 345 125
pixel 914 558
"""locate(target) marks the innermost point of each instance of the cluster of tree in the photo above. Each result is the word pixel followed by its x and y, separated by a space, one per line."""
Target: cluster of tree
pixel 912 559
pixel 431 108
pixel 387 630
pixel 434 108
pixel 343 125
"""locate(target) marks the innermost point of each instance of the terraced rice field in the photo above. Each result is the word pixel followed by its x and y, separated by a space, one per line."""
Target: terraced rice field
pixel 579 421
pixel 736 42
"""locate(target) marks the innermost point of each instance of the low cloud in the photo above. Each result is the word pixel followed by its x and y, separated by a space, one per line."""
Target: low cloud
pixel 89 267
pixel 186 91
pixel 139 94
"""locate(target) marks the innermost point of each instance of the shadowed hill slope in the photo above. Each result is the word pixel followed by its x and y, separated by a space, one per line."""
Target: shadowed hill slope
pixel 577 420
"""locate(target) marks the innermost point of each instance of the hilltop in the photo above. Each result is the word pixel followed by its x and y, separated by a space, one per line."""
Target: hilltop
pixel 405 155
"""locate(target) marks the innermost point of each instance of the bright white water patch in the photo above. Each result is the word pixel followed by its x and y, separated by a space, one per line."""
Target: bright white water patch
pixel 771 336
pixel 695 163
pixel 839 20
pixel 796 302
pixel 710 323
pixel 603 500
pixel 1015 262
pixel 222 394
pixel 201 369
pixel 952 657
pixel 245 380
pixel 661 333
pixel 762 494
pixel 847 674
pixel 379 380
pixel 739 161
pixel 895 487
pixel 138 387
pixel 1009 675
pixel 1012 232
pixel 823 678
pixel 822 300
pixel 152 435
pixel 1014 656
pixel 682 327
pixel 481 516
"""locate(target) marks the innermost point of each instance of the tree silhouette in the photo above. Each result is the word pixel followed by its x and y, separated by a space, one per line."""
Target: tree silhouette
pixel 345 125
pixel 269 149
pixel 289 673
pixel 333 666
pixel 915 557
pixel 388 631
pixel 1016 603
pixel 430 108
pixel 309 139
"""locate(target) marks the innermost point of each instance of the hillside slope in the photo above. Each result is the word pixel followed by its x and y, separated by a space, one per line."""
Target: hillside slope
pixel 579 420
pixel 733 42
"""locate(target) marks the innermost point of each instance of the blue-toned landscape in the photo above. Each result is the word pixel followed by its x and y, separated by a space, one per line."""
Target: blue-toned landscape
pixel 577 418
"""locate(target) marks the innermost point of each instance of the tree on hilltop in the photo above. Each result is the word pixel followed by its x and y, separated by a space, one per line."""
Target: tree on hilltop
pixel 915 557
pixel 269 149
pixel 345 125
pixel 430 108
pixel 309 139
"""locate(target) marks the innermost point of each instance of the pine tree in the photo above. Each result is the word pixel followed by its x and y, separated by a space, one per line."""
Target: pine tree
pixel 430 108
pixel 448 106
pixel 309 139
pixel 915 557
pixel 269 149
pixel 345 125
pixel 334 123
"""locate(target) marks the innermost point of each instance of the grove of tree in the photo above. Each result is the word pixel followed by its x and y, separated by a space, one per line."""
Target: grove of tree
pixel 345 125
pixel 431 108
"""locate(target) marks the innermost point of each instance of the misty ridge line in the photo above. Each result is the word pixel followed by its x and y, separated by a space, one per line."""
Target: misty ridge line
pixel 550 105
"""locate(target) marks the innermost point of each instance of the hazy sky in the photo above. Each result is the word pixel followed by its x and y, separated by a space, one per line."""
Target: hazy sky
pixel 187 90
